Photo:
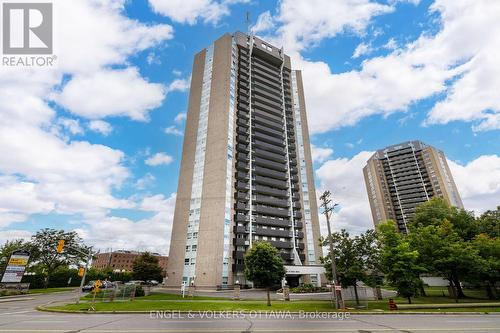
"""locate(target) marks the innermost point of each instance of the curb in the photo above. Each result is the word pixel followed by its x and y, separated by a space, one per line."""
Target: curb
pixel 45 309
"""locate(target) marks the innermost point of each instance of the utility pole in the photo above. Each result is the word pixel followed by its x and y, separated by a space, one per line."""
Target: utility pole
pixel 327 210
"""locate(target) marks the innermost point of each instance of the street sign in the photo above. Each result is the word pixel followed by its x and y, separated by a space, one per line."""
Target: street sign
pixel 338 287
pixel 16 266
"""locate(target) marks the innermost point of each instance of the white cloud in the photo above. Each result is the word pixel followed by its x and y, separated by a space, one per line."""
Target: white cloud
pixel 180 117
pixel 361 49
pixel 101 126
pixel 460 60
pixel 264 23
pixel 391 44
pixel 179 85
pixel 159 159
pixel 145 182
pixel 71 125
pixel 209 11
pixel 173 130
pixel 149 234
pixel 344 178
pixel 478 182
pixel 320 154
pixel 304 23
pixel 153 59
pixel 111 93
pixel 44 171
pixel 9 235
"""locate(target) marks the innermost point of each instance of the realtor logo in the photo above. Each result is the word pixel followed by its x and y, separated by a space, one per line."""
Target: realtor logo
pixel 27 28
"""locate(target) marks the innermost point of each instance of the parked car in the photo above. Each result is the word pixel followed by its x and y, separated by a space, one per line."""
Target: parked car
pixel 89 286
pixel 104 285
pixel 152 282
pixel 137 282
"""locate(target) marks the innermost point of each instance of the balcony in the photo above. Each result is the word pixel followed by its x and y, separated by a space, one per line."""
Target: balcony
pixel 273 233
pixel 270 182
pixel 258 170
pixel 238 267
pixel 242 186
pixel 281 245
pixel 269 164
pixel 242 166
pixel 270 191
pixel 271 201
pixel 272 222
pixel 241 196
pixel 271 211
pixel 242 218
pixel 270 156
pixel 241 206
pixel 241 242
pixel 287 256
pixel 238 254
pixel 240 229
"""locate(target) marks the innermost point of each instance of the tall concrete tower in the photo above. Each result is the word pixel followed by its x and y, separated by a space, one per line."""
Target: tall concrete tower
pixel 400 177
pixel 246 170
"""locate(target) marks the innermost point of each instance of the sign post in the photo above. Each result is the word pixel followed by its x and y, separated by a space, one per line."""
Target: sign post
pixel 16 266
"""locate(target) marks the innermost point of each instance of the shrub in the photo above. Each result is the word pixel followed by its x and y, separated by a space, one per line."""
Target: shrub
pixel 139 291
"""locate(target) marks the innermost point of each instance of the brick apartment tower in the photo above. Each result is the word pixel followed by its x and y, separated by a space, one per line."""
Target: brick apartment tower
pixel 246 170
pixel 400 177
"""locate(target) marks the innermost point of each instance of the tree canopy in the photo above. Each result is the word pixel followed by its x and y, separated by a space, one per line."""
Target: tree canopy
pixel 264 266
pixel 145 267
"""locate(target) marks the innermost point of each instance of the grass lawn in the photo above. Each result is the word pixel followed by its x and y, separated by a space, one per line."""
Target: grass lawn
pixel 160 301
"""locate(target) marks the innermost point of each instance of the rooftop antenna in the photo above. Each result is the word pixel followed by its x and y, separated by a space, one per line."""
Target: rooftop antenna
pixel 247 20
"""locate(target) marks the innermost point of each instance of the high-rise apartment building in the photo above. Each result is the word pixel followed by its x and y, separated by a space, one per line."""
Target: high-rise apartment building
pixel 246 171
pixel 400 177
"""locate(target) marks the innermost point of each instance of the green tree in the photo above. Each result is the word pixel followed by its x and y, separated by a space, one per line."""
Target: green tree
pixel 436 210
pixel 44 255
pixel 489 223
pixel 146 267
pixel 443 252
pixel 264 266
pixel 6 250
pixel 398 261
pixel 356 258
pixel 488 249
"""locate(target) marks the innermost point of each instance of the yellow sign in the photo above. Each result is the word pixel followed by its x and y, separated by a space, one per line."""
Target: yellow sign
pixel 18 261
pixel 98 283
pixel 81 271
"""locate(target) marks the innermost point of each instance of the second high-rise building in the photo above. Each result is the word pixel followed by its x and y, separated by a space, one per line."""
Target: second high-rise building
pixel 400 177
pixel 246 170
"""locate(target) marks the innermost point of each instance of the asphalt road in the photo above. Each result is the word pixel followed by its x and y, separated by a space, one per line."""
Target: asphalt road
pixel 20 316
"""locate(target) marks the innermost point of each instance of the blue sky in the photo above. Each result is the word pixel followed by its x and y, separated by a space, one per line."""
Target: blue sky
pixel 96 146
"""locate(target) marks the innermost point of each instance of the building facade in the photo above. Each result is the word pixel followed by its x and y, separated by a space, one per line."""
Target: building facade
pixel 400 177
pixel 246 170
pixel 122 260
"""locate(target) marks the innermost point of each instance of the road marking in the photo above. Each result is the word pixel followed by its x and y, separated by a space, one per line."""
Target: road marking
pixel 17 312
pixel 261 330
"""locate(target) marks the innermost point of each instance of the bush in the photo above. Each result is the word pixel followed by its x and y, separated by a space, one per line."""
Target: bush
pixel 139 291
pixel 308 288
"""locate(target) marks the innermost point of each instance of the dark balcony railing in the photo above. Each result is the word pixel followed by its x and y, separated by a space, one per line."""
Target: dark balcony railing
pixel 272 221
